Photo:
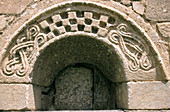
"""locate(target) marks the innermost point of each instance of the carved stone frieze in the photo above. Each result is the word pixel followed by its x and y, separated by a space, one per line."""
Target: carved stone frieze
pixel 98 23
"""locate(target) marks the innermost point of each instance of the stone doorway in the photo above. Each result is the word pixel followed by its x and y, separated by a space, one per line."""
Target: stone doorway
pixel 81 87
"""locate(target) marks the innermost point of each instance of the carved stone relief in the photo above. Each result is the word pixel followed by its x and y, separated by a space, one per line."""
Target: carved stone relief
pixel 71 20
pixel 37 64
pixel 23 53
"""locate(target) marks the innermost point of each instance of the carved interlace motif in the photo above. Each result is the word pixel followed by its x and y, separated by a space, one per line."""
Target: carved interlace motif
pixel 23 53
pixel 127 42
pixel 27 46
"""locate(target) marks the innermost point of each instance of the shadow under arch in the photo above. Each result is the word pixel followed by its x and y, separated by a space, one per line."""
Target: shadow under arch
pixel 76 49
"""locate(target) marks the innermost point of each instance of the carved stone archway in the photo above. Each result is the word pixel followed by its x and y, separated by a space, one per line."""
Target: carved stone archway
pixel 131 53
pixel 133 46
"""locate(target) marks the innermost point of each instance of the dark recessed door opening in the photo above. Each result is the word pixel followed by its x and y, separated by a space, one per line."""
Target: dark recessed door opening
pixel 82 87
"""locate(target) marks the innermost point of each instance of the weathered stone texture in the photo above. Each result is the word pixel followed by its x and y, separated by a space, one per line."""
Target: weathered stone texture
pixel 103 96
pixel 19 97
pixel 164 29
pixel 47 102
pixel 146 95
pixel 138 7
pixel 164 44
pixel 83 88
pixel 96 92
pixel 4 20
pixel 149 95
pixel 74 89
pixel 13 6
pixel 122 96
pixel 33 97
pixel 13 96
pixel 158 10
pixel 126 2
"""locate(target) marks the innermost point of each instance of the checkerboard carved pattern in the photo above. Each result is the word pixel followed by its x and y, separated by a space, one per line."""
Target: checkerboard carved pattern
pixel 101 25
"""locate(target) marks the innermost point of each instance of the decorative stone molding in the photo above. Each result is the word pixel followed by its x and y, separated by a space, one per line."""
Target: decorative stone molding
pixel 25 50
pixel 138 57
pixel 78 18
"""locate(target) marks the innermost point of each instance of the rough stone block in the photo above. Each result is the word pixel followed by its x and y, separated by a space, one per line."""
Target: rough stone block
pixel 19 97
pixel 13 6
pixel 138 7
pixel 158 10
pixel 164 29
pixel 4 21
pixel 145 95
pixel 126 2
pixel 13 96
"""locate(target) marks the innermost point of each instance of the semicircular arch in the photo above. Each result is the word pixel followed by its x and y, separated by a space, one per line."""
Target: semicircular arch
pixel 132 45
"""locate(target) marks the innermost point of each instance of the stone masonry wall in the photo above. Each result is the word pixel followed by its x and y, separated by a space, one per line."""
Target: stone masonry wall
pixel 155 13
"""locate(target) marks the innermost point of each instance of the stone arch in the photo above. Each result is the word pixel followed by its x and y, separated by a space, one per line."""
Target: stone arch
pixel 132 45
pixel 74 49
pixel 123 47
